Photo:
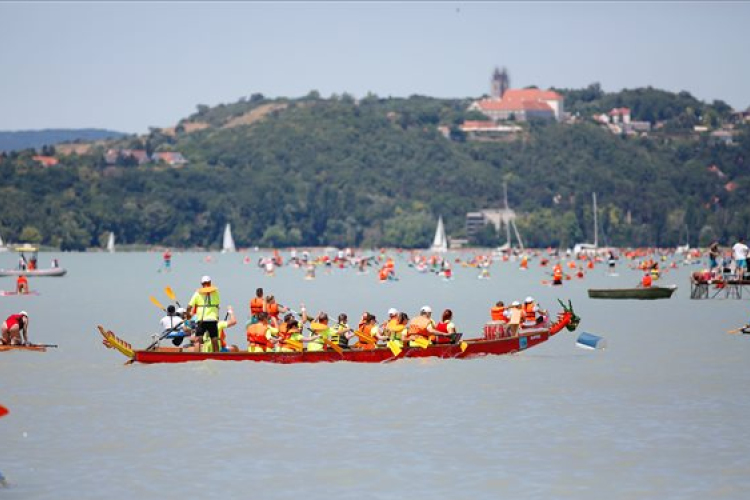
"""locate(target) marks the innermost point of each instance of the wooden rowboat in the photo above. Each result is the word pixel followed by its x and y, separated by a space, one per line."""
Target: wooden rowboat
pixel 472 348
pixel 654 292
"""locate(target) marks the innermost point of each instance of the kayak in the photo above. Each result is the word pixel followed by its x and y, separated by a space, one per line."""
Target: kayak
pixel 468 349
pixel 40 273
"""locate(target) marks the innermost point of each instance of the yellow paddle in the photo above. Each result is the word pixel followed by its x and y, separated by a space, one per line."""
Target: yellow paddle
pixel 421 342
pixel 170 293
pixel 364 337
pixel 464 345
pixel 156 302
pixel 293 344
pixel 333 346
pixel 394 347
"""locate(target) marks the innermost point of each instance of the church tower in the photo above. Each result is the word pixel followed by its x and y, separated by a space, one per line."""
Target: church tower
pixel 500 83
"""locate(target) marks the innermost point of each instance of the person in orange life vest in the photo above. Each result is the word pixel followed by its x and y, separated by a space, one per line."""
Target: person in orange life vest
pixel 273 309
pixel 258 337
pixel 646 281
pixel 557 274
pixel 530 311
pixel 15 329
pixel 368 326
pixel 22 285
pixel 524 262
pixel 384 274
pixel 257 305
pixel 498 313
pixel 445 330
pixel 422 325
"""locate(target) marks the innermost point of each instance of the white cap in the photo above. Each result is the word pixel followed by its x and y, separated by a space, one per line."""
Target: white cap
pixel 392 311
pixel 206 279
pixel 529 299
pixel 180 310
pixel 426 309
pixel 24 313
pixel 515 303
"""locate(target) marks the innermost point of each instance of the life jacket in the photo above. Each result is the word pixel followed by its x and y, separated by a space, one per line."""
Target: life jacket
pixel 557 273
pixel 419 325
pixel 529 312
pixel 273 310
pixel 442 328
pixel 256 335
pixel 524 262
pixel 367 330
pixel 383 274
pixel 646 281
pixel 497 313
pixel 206 305
pixel 591 264
pixel 256 306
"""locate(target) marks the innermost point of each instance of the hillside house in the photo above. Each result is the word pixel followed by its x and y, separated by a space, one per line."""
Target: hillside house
pixel 46 161
pixel 522 105
pixel 171 158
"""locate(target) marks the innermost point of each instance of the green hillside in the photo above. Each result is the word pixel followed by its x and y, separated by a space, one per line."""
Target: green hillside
pixel 378 172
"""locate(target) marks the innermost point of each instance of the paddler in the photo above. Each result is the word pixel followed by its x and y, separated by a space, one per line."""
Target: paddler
pixel 205 306
pixel 222 325
pixel 15 329
pixel 557 274
pixel 646 280
pixel 516 316
pixel 342 332
pixel 421 325
pixel 258 336
pixel 22 285
pixel 171 323
pixel 368 327
pixel 498 312
pixel 320 329
pixel 257 305
pixel 445 331
pixel 530 311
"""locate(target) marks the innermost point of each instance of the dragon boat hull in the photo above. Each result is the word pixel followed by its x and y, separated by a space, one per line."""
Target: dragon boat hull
pixel 472 348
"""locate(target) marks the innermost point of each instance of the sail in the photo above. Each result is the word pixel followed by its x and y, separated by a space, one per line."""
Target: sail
pixel 440 242
pixel 228 243
pixel 590 248
pixel 3 248
pixel 111 243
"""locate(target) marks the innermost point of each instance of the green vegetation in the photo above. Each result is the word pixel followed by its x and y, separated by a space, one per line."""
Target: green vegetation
pixel 378 172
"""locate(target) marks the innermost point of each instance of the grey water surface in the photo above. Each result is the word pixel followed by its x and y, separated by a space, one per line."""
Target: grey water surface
pixel 663 412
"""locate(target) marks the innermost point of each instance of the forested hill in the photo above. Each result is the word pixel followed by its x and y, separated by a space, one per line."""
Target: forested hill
pixel 378 172
pixel 22 139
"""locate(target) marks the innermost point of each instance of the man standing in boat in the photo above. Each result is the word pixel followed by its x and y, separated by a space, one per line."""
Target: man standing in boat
pixel 740 251
pixel 15 329
pixel 205 306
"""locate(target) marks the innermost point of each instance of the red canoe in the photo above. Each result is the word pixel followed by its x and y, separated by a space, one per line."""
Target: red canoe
pixel 528 337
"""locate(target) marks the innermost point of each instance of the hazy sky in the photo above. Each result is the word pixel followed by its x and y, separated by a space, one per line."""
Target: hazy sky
pixel 127 66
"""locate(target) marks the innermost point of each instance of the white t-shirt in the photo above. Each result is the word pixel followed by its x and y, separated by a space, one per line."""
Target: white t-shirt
pixel 169 322
pixel 740 251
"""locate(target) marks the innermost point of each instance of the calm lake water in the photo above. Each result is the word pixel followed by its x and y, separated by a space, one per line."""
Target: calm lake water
pixel 663 412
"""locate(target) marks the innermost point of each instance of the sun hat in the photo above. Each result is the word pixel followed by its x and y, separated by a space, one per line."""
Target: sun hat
pixel 24 313
pixel 206 279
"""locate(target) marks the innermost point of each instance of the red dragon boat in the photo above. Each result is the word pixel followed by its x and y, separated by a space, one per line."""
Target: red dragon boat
pixel 496 341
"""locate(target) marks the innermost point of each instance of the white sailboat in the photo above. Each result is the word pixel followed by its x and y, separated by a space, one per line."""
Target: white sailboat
pixel 3 248
pixel 440 242
pixel 505 247
pixel 228 243
pixel 589 248
pixel 111 243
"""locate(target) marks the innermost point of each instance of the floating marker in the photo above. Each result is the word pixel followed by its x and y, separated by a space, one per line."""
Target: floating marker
pixel 590 341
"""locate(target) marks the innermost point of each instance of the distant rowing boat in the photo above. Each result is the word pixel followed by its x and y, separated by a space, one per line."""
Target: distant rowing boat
pixel 651 293
pixel 31 347
pixel 7 293
pixel 472 348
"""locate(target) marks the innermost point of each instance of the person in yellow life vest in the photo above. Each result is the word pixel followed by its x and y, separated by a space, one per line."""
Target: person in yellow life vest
pixel 204 305
pixel 395 328
pixel 529 311
pixel 497 312
pixel 655 271
pixel 557 274
pixel 22 285
pixel 293 333
pixel 320 329
pixel 421 326
pixel 342 332
pixel 222 325
pixel 258 335
pixel 257 305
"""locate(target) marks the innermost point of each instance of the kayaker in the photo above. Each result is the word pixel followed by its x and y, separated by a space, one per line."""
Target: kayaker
pixel 222 325
pixel 22 285
pixel 445 331
pixel 15 329
pixel 257 305
pixel 516 316
pixel 205 305
pixel 258 336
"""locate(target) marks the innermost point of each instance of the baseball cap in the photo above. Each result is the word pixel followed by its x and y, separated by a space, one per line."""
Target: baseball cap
pixel 24 313
pixel 529 299
pixel 426 309
pixel 515 303
pixel 206 279
pixel 392 311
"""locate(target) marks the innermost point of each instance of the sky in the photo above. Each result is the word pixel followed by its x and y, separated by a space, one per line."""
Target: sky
pixel 133 65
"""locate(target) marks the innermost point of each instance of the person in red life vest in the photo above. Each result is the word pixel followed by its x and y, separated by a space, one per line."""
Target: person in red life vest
pixel 646 281
pixel 445 331
pixel 22 285
pixel 557 274
pixel 15 329
pixel 257 306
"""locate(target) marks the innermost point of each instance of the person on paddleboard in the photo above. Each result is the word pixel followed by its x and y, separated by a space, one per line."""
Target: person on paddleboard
pixel 15 329
pixel 22 285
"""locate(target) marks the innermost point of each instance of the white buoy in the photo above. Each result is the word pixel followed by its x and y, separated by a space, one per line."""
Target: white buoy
pixel 591 341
